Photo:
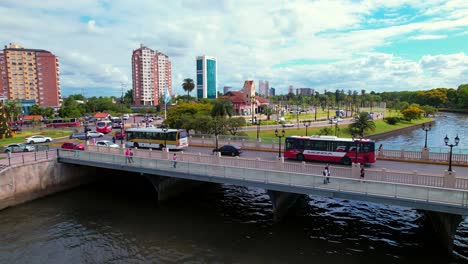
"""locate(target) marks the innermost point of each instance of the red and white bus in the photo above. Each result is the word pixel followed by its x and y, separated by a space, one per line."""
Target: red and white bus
pixel 104 126
pixel 72 122
pixel 330 149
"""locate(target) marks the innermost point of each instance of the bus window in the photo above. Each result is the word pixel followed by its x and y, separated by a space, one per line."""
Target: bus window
pixel 171 135
pixel 182 134
pixel 320 145
pixel 368 147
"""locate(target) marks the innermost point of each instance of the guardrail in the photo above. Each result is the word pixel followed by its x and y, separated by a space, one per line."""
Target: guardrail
pixel 26 157
pixel 378 175
pixel 272 144
pixel 206 166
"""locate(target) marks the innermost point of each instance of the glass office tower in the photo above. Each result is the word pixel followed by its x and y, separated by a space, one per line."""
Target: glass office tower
pixel 207 77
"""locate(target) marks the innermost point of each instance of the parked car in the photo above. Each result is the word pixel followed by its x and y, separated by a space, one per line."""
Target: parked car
pixel 18 148
pixel 229 150
pixel 125 116
pixel 335 120
pixel 106 143
pixel 72 145
pixel 120 135
pixel 81 136
pixel 37 139
pixel 94 134
pixel 288 125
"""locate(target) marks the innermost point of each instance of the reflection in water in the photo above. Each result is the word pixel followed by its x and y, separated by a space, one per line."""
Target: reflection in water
pixel 119 222
pixel 449 124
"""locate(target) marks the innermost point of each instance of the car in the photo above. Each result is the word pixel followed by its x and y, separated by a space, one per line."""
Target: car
pixel 15 128
pixel 37 139
pixel 120 135
pixel 125 116
pixel 18 148
pixel 106 143
pixel 81 136
pixel 94 134
pixel 229 150
pixel 288 125
pixel 72 145
pixel 335 120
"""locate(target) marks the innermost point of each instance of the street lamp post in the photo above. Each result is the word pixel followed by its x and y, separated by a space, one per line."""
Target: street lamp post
pixel 426 129
pixel 307 124
pixel 121 119
pixel 164 129
pixel 278 135
pixel 86 133
pixel 257 122
pixel 446 140
pixel 356 147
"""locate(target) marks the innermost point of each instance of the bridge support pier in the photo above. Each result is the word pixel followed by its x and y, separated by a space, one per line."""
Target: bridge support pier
pixel 443 226
pixel 169 187
pixel 281 201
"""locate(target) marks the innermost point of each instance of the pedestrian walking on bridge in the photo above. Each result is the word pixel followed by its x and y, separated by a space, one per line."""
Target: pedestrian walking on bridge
pixel 326 173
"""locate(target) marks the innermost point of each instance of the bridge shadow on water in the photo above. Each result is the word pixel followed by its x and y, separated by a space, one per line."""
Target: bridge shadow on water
pixel 225 223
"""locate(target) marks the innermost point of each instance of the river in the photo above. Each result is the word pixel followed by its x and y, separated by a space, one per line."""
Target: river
pixel 117 221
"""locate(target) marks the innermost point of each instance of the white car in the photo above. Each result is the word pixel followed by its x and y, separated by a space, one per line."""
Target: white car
pixel 37 139
pixel 106 143
pixel 94 134
pixel 288 125
pixel 125 117
pixel 335 121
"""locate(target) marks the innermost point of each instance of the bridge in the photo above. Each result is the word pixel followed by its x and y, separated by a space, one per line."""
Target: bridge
pixel 443 198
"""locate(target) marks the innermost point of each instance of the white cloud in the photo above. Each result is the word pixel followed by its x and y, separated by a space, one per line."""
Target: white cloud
pixel 426 37
pixel 248 38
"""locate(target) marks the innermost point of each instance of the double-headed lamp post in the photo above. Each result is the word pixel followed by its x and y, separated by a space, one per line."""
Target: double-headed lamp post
pixel 446 140
pixel 426 129
pixel 307 124
pixel 164 129
pixel 356 147
pixel 278 135
pixel 257 122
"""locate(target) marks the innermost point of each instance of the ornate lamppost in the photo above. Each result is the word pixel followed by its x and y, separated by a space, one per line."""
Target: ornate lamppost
pixel 307 124
pixel 257 122
pixel 278 135
pixel 164 129
pixel 426 129
pixel 446 140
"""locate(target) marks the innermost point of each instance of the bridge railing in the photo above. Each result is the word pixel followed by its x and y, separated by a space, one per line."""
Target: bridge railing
pixel 382 175
pixel 292 179
pixel 26 157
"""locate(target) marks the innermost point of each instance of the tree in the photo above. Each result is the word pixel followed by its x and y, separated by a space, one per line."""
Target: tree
pixel 428 110
pixel 412 112
pixel 128 97
pixel 71 108
pixel 5 131
pixel 462 96
pixel 188 86
pixel 12 110
pixel 268 111
pixel 234 123
pixel 35 110
pixel 361 124
pixel 222 107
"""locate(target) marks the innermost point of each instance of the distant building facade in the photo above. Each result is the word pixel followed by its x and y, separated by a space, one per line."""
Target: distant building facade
pixel 263 88
pixel 226 89
pixel 305 91
pixel 291 89
pixel 30 76
pixel 151 75
pixel 272 91
pixel 245 102
pixel 207 77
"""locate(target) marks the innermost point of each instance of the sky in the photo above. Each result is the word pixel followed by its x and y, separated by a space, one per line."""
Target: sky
pixel 387 45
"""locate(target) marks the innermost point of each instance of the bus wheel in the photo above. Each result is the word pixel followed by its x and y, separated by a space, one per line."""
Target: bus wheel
pixel 135 145
pixel 300 157
pixel 346 161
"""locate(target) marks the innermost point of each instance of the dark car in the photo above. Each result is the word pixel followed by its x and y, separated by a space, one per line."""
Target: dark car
pixel 81 136
pixel 228 150
pixel 73 145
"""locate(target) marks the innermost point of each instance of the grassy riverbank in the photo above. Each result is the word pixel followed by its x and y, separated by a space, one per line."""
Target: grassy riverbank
pixel 381 127
pixel 20 136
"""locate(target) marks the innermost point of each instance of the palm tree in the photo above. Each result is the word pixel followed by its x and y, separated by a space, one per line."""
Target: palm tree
pixel 12 110
pixel 188 86
pixel 222 107
pixel 362 123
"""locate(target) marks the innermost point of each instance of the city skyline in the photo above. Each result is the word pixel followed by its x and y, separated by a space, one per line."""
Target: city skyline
pixel 393 46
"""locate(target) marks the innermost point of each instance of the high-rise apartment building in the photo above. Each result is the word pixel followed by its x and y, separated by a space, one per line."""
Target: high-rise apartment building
pixel 151 75
pixel 290 89
pixel 272 91
pixel 304 91
pixel 263 88
pixel 30 76
pixel 207 77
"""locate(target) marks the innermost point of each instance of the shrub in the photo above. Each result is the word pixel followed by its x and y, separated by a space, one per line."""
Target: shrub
pixel 325 131
pixel 392 120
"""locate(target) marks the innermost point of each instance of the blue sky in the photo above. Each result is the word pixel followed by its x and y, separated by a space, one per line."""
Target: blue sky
pixel 379 46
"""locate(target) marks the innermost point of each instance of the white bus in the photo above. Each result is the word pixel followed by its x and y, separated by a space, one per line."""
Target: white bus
pixel 156 138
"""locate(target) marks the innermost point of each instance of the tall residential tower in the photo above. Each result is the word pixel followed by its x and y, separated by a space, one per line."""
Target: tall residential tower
pixel 263 88
pixel 152 73
pixel 30 76
pixel 207 77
